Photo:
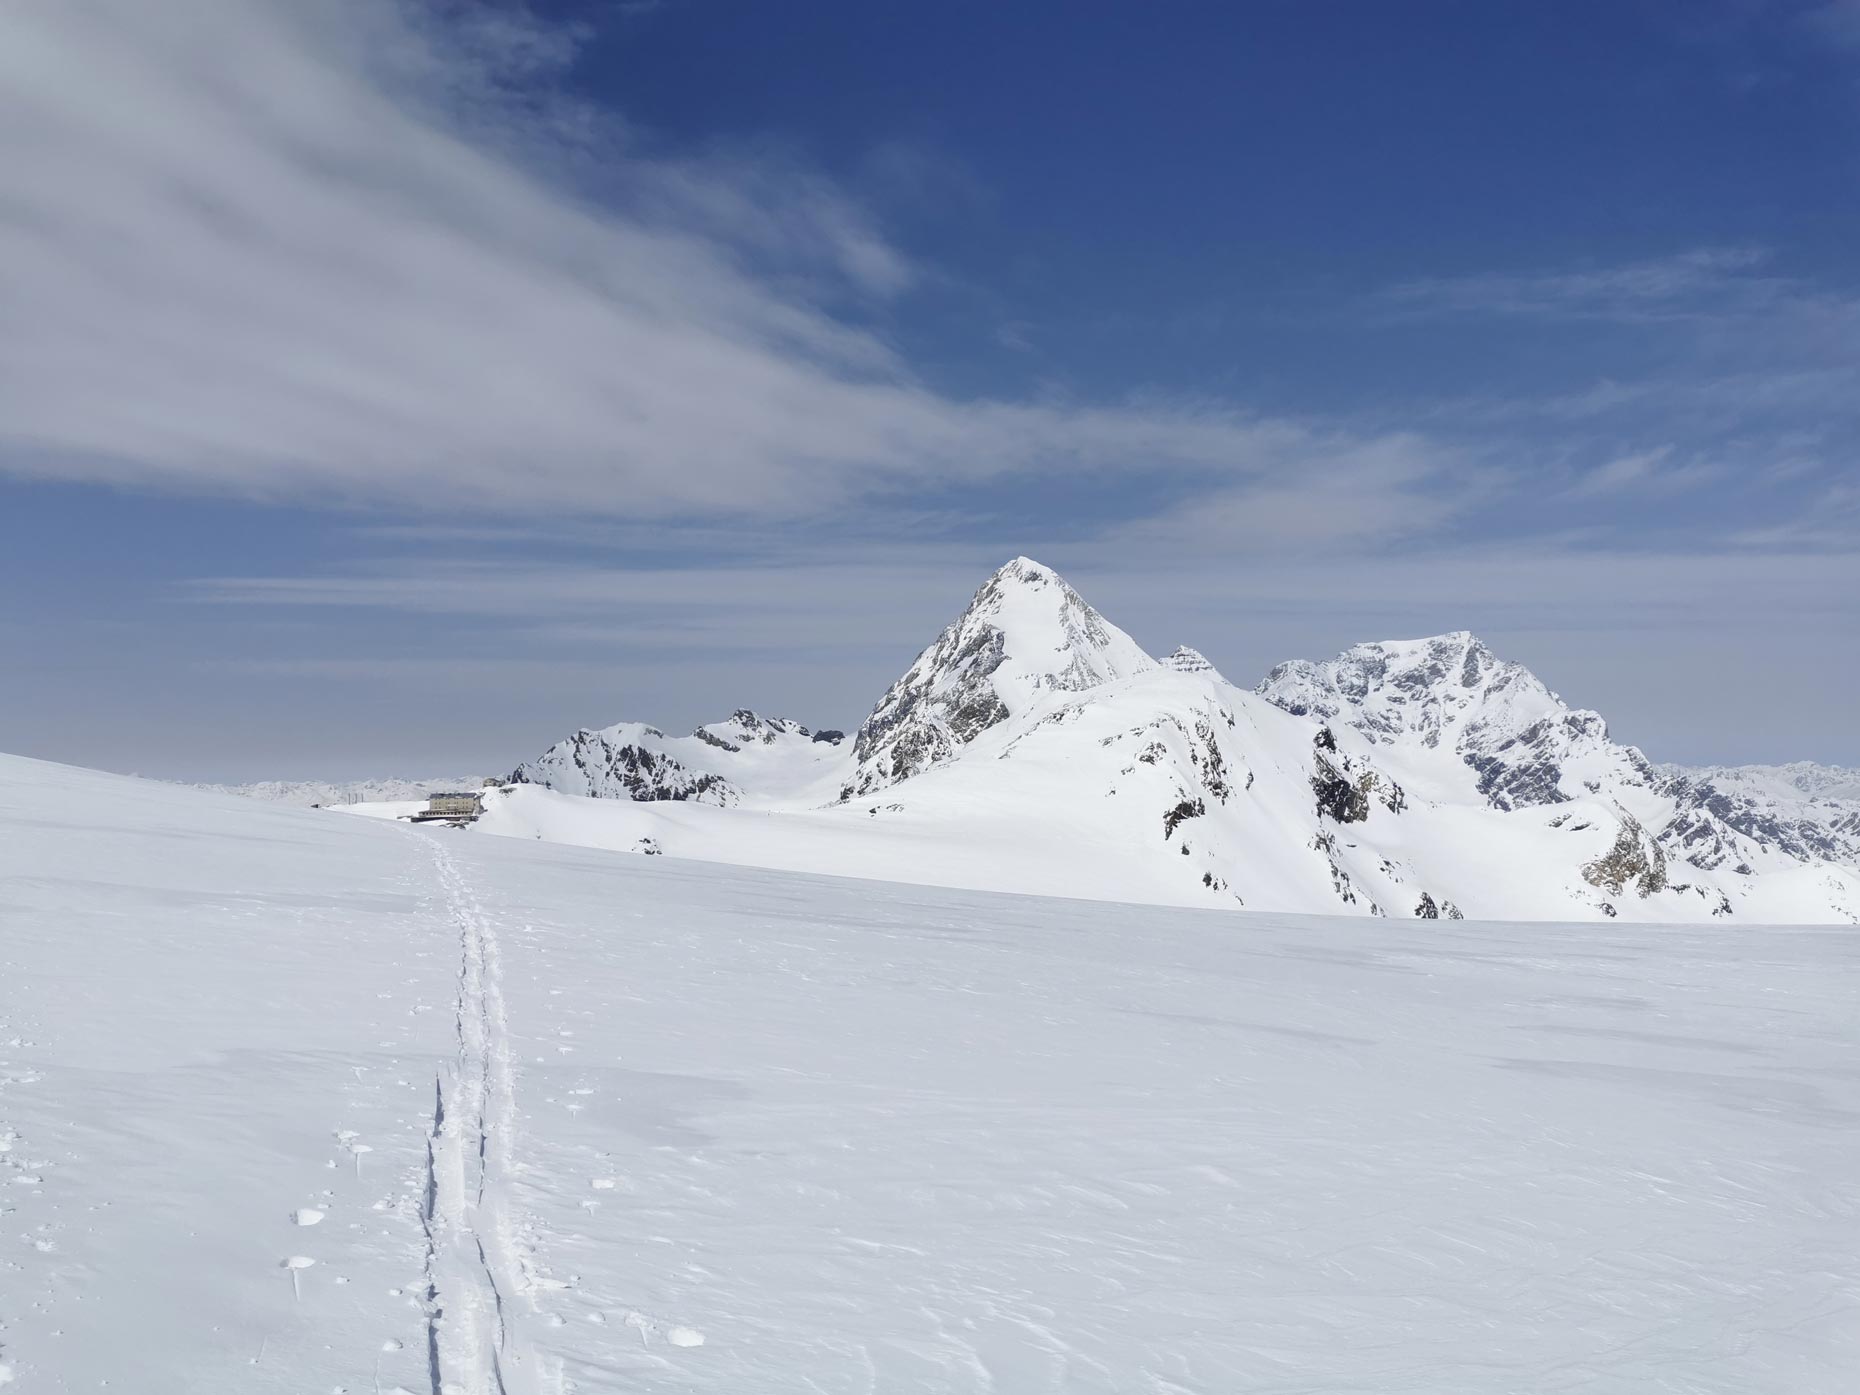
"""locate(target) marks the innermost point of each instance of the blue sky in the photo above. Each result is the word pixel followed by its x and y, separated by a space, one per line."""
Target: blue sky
pixel 392 388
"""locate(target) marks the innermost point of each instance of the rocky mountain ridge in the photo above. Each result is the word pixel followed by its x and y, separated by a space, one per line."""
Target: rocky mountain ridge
pixel 1418 777
pixel 718 763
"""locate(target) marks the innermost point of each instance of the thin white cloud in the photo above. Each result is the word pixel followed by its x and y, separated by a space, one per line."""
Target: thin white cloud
pixel 1684 284
pixel 1646 472
pixel 1365 493
pixel 299 251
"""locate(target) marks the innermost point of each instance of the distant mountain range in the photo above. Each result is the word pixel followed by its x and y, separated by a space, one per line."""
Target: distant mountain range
pixel 1034 746
pixel 309 793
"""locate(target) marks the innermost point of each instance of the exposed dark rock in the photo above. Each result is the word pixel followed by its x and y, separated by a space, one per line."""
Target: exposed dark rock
pixel 1711 821
pixel 1338 797
pixel 1206 753
pixel 1174 818
pixel 1512 785
pixel 1339 879
pixel 1343 785
pixel 1635 860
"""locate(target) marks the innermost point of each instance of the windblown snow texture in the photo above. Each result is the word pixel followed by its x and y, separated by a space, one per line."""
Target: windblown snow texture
pixel 292 1101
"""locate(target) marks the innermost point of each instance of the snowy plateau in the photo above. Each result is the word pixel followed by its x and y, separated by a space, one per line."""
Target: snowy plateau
pixel 298 1102
pixel 1385 1030
pixel 1035 747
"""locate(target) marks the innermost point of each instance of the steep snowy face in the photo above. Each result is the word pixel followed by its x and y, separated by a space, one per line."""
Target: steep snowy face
pixel 747 757
pixel 1025 634
pixel 1175 785
pixel 1523 745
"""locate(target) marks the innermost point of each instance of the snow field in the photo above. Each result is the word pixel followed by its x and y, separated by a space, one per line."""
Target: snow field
pixel 580 1122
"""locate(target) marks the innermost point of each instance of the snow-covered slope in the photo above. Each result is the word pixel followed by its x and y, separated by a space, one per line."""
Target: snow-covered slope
pixel 552 1122
pixel 1034 747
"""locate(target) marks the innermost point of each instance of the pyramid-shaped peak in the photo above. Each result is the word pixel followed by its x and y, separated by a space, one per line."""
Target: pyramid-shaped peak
pixel 1042 632
pixel 1024 574
pixel 1186 660
pixel 1025 568
pixel 1025 633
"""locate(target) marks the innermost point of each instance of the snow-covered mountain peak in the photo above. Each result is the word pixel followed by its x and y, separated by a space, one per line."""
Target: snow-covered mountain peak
pixel 1025 633
pixel 1186 660
pixel 1524 745
pixel 747 758
pixel 1443 687
pixel 1418 777
pixel 746 728
pixel 1051 639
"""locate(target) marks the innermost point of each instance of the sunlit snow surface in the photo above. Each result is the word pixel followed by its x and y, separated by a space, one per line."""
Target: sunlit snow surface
pixel 714 1129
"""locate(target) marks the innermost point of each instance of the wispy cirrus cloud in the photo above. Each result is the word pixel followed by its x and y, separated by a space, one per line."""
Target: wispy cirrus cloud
pixel 1656 471
pixel 381 259
pixel 1709 378
pixel 1683 285
pixel 342 252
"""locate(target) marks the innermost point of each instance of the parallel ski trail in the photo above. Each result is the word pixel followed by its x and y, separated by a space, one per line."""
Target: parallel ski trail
pixel 474 1276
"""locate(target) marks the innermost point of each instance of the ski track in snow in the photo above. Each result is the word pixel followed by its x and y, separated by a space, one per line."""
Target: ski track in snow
pixel 474 1276
pixel 697 1130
